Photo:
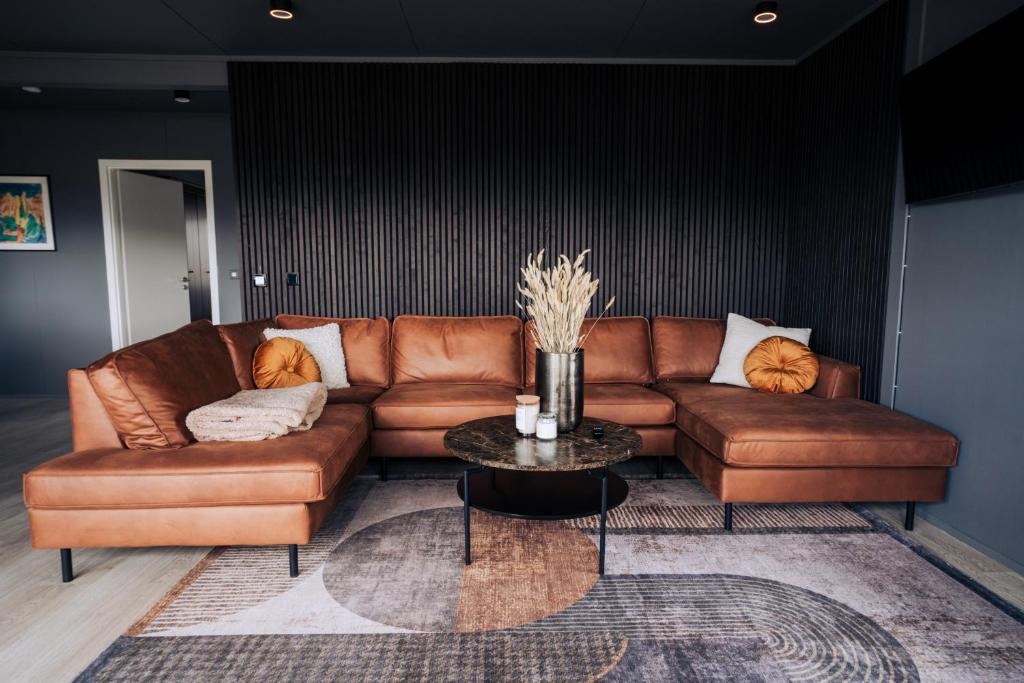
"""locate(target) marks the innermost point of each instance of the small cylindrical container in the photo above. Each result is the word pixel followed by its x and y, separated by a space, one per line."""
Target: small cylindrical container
pixel 547 426
pixel 560 387
pixel 527 409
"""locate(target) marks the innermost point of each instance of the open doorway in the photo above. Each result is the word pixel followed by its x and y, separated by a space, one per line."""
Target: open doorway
pixel 160 244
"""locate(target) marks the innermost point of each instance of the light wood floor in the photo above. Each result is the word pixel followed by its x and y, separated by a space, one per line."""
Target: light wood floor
pixel 50 631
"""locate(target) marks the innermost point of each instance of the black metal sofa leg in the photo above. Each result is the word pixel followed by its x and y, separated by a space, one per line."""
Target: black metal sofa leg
pixel 293 560
pixel 728 516
pixel 661 467
pixel 383 468
pixel 908 521
pixel 66 572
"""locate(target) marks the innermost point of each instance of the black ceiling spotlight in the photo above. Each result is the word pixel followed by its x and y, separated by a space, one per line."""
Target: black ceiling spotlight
pixel 182 96
pixel 766 12
pixel 281 9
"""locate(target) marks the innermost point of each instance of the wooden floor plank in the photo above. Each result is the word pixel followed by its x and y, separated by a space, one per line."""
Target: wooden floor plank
pixel 50 631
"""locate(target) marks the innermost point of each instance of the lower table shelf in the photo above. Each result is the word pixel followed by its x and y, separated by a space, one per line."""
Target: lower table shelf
pixel 541 495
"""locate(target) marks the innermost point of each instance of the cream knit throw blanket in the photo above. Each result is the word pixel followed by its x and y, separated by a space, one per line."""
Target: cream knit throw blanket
pixel 254 415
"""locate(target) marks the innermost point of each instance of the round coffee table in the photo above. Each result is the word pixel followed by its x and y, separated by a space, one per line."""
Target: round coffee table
pixel 527 478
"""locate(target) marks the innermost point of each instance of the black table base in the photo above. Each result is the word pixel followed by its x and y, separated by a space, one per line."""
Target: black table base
pixel 541 495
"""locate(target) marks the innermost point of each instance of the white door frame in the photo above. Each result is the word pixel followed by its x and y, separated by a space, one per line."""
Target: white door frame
pixel 112 236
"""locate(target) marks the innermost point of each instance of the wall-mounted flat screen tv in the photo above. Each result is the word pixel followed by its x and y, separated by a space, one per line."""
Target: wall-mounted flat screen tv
pixel 963 115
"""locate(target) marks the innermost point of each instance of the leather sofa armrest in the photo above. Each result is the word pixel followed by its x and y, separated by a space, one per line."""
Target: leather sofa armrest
pixel 836 379
pixel 90 424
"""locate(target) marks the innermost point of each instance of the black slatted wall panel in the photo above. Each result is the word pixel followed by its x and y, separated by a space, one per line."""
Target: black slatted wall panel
pixel 844 172
pixel 420 188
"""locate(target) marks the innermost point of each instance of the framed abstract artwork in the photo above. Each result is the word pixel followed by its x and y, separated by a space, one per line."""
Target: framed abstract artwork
pixel 26 223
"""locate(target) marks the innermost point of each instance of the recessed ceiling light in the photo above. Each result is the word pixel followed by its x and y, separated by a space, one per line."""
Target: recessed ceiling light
pixel 34 89
pixel 183 96
pixel 766 12
pixel 281 9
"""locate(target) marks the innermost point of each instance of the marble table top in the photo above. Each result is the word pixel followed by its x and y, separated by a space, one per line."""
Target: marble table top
pixel 494 442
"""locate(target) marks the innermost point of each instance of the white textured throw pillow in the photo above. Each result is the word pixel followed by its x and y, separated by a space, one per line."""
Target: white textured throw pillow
pixel 741 336
pixel 324 343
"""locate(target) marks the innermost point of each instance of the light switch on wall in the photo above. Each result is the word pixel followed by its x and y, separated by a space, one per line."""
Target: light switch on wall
pixel 232 274
pixel 259 280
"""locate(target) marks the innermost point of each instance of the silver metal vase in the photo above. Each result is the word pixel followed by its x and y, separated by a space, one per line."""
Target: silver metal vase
pixel 560 387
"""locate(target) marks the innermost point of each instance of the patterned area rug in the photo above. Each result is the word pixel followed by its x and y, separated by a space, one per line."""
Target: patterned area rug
pixel 794 593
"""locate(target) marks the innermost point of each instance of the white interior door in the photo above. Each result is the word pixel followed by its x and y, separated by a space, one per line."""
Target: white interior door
pixel 154 254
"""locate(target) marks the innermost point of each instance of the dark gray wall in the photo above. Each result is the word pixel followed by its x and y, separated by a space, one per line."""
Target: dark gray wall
pixel 54 304
pixel 842 181
pixel 960 363
pixel 387 185
pixel 961 288
pixel 421 188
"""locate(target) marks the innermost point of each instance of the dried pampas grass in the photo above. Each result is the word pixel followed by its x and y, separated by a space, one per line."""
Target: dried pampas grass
pixel 557 299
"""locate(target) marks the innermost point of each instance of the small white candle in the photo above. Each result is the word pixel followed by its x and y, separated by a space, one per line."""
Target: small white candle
pixel 527 408
pixel 547 426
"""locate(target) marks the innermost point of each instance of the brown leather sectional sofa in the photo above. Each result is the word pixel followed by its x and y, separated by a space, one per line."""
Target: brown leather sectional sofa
pixel 136 478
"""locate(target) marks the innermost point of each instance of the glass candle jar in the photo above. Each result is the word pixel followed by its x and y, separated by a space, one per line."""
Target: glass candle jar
pixel 527 409
pixel 547 426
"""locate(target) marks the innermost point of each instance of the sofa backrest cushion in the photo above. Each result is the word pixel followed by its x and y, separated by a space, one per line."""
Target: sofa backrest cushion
pixel 148 388
pixel 480 350
pixel 364 341
pixel 687 349
pixel 242 340
pixel 618 351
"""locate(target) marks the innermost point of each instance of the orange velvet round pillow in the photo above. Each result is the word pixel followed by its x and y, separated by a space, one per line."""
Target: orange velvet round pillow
pixel 283 362
pixel 781 366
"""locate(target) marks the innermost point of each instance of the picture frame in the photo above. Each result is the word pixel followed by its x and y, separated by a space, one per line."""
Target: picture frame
pixel 26 219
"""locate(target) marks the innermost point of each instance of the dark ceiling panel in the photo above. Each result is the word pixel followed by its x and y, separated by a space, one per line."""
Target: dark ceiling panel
pixel 140 26
pixel 372 28
pixel 717 29
pixel 205 101
pixel 527 28
pixel 663 29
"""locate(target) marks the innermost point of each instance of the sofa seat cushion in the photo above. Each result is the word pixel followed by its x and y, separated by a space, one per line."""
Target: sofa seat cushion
pixel 440 406
pixel 300 467
pixel 744 427
pixel 362 394
pixel 628 404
